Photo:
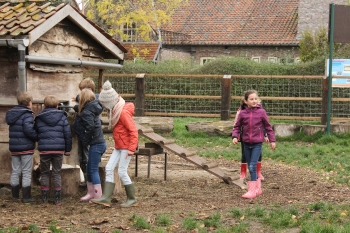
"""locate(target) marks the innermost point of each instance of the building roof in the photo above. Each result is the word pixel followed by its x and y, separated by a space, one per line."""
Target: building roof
pixel 237 22
pixel 145 50
pixel 31 19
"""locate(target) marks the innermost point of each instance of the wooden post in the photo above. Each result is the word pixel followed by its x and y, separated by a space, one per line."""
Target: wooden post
pixel 140 95
pixel 324 101
pixel 100 80
pixel 226 97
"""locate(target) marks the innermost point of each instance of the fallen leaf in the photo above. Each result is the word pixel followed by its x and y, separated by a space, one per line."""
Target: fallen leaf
pixel 98 221
pixel 74 222
pixel 123 227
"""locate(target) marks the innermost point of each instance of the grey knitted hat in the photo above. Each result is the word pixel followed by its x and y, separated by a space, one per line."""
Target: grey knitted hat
pixel 108 96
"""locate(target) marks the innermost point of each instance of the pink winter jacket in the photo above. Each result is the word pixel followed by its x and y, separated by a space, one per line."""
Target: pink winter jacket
pixel 253 121
pixel 125 133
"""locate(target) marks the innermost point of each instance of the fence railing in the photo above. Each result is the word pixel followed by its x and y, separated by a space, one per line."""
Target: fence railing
pixel 219 96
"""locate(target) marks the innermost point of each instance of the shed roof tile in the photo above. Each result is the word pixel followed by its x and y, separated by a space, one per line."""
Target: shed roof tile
pixel 19 17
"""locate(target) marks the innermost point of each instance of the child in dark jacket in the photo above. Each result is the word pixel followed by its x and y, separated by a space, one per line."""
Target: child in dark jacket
pixel 89 129
pixel 252 121
pixel 54 140
pixel 83 151
pixel 22 144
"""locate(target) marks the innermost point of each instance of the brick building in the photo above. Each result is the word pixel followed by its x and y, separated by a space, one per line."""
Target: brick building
pixel 266 30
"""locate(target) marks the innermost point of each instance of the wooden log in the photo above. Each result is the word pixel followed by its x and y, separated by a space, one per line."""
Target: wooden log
pixel 158 124
pixel 187 154
pixel 145 130
pixel 167 141
pixel 207 166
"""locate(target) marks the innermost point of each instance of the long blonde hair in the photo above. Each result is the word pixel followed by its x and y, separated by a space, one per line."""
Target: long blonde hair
pixel 86 96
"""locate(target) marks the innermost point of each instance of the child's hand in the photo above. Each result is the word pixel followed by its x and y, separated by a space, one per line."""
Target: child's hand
pixel 73 99
pixel 130 153
pixel 266 139
pixel 235 141
pixel 273 145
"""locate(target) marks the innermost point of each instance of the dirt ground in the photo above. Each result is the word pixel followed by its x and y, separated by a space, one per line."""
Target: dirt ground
pixel 187 189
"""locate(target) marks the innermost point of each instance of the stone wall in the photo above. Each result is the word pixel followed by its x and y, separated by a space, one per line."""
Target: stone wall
pixel 314 14
pixel 198 52
pixel 166 54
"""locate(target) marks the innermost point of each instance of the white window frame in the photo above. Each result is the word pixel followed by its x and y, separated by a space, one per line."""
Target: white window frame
pixel 256 59
pixel 272 59
pixel 287 61
pixel 204 60
pixel 130 30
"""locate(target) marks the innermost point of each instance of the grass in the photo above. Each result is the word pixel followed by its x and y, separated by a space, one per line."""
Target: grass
pixel 163 220
pixel 140 222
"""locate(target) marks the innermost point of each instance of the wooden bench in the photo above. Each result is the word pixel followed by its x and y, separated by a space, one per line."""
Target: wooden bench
pixel 149 150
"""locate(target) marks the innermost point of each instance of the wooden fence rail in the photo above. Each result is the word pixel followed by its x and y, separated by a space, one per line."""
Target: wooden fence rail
pixel 140 96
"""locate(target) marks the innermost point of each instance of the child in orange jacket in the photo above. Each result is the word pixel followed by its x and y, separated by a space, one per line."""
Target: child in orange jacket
pixel 125 137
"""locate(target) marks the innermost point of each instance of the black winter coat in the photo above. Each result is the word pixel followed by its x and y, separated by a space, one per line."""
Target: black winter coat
pixel 54 133
pixel 90 123
pixel 21 126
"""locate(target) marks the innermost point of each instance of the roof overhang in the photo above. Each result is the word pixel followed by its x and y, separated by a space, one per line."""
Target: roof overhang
pixel 68 12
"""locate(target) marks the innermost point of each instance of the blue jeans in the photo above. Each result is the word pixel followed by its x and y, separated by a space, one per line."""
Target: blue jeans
pixel 252 153
pixel 95 153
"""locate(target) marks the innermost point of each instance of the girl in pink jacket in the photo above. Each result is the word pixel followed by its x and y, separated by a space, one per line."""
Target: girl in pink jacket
pixel 252 120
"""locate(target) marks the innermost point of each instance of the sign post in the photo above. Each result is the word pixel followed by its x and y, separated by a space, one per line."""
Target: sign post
pixel 339 32
pixel 331 34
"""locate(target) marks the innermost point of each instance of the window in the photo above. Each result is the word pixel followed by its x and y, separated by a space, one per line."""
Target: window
pixel 286 60
pixel 206 59
pixel 256 59
pixel 272 59
pixel 130 31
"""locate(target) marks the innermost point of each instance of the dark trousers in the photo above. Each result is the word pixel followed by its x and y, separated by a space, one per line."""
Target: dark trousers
pixel 56 162
pixel 83 153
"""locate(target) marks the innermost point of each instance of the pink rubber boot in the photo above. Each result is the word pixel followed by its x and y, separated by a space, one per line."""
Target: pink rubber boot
pixel 243 170
pixel 258 171
pixel 90 192
pixel 252 190
pixel 97 191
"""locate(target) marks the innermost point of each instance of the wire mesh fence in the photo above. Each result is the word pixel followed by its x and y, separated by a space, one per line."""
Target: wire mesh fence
pixel 283 97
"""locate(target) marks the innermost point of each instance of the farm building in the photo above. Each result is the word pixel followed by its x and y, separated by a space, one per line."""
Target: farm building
pixel 44 49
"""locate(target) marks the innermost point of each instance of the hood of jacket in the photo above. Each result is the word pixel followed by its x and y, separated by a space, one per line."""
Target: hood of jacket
pixel 129 108
pixel 51 116
pixel 125 133
pixel 16 112
pixel 94 106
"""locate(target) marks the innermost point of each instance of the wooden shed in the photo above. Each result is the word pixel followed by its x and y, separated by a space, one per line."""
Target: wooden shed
pixel 44 50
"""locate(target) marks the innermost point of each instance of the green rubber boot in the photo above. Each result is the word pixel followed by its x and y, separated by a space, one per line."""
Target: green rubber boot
pixel 130 193
pixel 106 195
